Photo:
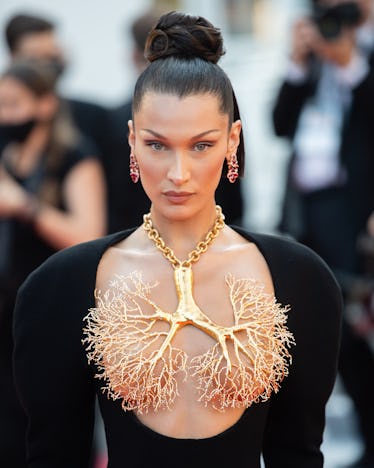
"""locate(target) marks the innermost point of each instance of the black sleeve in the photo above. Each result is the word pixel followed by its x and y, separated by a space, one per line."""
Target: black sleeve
pixel 52 377
pixel 84 149
pixel 363 94
pixel 296 419
pixel 287 108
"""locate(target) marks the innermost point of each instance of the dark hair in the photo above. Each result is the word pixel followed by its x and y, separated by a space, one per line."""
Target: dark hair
pixel 35 75
pixel 184 51
pixel 23 24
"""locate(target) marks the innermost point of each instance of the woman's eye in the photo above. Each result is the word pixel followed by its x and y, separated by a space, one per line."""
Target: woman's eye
pixel 156 145
pixel 202 146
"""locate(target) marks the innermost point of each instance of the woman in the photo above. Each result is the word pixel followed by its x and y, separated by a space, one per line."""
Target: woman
pixel 184 372
pixel 51 197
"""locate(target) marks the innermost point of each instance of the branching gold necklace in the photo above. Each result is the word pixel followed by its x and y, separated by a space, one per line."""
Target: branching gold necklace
pixel 137 358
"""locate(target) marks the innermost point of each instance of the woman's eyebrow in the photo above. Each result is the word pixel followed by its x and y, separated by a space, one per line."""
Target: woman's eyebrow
pixel 158 135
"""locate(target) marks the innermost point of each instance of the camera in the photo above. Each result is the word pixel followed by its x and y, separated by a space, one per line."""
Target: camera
pixel 331 20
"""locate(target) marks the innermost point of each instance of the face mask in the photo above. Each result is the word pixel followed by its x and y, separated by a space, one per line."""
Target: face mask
pixel 17 132
pixel 57 66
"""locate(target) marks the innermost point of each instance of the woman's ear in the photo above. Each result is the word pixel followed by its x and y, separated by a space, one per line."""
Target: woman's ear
pixel 234 138
pixel 131 137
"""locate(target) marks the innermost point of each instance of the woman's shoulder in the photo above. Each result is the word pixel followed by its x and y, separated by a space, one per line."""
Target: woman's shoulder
pixel 290 261
pixel 282 247
pixel 84 148
pixel 304 281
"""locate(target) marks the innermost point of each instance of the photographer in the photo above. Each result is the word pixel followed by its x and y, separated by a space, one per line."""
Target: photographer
pixel 325 108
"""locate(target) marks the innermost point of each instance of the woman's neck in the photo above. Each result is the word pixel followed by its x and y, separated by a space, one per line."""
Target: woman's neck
pixel 182 236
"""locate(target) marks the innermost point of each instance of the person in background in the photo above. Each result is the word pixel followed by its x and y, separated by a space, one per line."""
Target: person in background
pixel 365 30
pixel 131 199
pixel 52 196
pixel 34 37
pixel 324 107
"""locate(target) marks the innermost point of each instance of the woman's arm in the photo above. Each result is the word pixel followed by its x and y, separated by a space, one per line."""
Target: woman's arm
pixel 84 195
pixel 296 418
pixel 52 377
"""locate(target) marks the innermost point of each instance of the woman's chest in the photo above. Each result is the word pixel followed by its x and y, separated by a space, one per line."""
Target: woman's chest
pixel 221 341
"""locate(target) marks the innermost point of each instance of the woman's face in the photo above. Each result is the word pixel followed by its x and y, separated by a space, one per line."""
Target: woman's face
pixel 17 103
pixel 180 145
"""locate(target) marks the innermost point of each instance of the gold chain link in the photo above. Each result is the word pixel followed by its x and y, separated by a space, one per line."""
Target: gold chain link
pixel 195 254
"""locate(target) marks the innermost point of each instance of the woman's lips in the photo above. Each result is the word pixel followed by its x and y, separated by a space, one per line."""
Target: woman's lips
pixel 177 197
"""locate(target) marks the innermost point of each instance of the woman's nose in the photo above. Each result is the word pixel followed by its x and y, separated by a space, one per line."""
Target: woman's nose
pixel 179 171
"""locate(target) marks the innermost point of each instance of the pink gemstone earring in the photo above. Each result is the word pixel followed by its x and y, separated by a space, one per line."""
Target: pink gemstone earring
pixel 134 169
pixel 232 168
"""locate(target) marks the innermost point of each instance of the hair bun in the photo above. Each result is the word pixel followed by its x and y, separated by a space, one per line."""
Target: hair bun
pixel 184 36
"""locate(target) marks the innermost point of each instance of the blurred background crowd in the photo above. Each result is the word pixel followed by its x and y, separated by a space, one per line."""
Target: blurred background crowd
pixel 304 78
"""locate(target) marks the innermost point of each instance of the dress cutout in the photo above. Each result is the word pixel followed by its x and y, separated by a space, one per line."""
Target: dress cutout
pixel 135 356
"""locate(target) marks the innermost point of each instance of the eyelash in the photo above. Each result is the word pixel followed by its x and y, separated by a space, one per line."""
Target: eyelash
pixel 205 144
pixel 152 145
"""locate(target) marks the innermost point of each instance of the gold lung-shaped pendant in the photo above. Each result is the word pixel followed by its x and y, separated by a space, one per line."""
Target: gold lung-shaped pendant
pixel 245 365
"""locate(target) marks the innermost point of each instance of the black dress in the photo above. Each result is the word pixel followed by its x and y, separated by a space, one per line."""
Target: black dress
pixel 57 386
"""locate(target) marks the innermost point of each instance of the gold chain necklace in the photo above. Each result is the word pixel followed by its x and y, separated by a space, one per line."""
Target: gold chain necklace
pixel 187 311
pixel 195 254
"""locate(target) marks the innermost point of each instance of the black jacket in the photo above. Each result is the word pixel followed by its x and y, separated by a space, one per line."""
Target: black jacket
pixel 57 386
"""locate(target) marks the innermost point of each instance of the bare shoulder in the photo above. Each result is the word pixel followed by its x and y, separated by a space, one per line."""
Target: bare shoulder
pixel 122 258
pixel 241 257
